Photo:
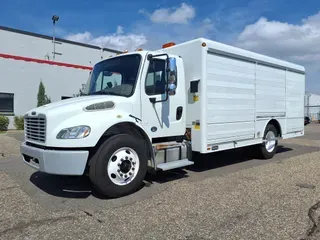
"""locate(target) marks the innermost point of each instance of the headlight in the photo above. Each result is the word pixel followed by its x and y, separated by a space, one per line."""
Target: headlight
pixel 100 106
pixel 74 132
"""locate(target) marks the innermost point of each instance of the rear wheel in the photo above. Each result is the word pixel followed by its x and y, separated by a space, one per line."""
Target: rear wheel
pixel 119 166
pixel 268 149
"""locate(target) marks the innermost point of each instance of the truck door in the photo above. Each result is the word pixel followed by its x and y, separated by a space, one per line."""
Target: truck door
pixel 165 117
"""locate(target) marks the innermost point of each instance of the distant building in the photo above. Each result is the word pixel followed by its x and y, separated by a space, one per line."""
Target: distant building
pixel 312 105
pixel 27 58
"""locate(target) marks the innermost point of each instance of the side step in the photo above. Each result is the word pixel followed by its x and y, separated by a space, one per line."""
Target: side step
pixel 175 164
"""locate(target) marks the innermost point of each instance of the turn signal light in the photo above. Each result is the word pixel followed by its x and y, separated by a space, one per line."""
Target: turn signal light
pixel 170 44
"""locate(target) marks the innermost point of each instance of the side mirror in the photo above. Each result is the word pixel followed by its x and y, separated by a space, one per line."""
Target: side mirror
pixel 172 65
pixel 172 76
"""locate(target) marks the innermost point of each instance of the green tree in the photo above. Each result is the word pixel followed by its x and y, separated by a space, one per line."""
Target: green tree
pixel 80 93
pixel 43 99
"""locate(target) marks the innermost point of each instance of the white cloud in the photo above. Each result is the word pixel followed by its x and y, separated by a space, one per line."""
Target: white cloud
pixel 297 43
pixel 117 40
pixel 180 15
pixel 85 37
pixel 293 42
pixel 119 30
pixel 157 34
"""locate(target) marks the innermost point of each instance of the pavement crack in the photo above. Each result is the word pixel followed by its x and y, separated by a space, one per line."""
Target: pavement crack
pixel 315 228
pixel 8 188
pixel 306 185
pixel 91 215
pixel 35 223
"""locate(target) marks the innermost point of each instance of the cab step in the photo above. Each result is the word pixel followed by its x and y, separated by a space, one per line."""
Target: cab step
pixel 174 164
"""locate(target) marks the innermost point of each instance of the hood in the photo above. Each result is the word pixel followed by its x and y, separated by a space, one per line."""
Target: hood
pixel 76 104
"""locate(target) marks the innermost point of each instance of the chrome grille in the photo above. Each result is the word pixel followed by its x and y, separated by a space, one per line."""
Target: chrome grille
pixel 35 128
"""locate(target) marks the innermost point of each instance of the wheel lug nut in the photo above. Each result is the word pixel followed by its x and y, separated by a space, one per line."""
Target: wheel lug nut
pixel 125 176
pixel 130 159
pixel 133 169
pixel 122 160
pixel 121 174
pixel 118 170
pixel 130 173
pixel 118 164
pixel 126 158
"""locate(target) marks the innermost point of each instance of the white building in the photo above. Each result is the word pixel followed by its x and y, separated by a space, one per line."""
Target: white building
pixel 27 58
pixel 312 105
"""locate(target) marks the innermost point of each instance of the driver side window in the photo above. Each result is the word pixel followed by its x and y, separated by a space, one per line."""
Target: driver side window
pixel 156 78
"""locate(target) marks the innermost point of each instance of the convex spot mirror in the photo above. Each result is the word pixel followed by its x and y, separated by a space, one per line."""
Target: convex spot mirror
pixel 172 76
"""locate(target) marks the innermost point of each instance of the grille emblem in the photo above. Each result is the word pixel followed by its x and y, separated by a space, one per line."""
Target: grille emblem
pixel 33 113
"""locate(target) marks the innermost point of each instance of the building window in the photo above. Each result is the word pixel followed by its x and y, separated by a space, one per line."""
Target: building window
pixel 6 103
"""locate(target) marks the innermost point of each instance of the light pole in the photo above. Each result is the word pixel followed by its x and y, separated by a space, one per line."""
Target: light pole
pixel 55 19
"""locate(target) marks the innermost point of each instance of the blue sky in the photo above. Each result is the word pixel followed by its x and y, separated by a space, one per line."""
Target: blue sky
pixel 289 30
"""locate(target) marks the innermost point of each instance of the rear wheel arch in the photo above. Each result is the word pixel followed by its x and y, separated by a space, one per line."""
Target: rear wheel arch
pixel 276 124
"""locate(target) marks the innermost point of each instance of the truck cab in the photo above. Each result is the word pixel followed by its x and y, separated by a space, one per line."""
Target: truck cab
pixel 132 104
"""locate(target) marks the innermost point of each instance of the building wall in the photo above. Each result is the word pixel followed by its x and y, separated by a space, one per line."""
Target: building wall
pixel 62 77
pixel 312 105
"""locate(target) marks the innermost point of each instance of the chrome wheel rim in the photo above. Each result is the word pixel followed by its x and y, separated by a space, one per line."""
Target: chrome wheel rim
pixel 123 166
pixel 270 142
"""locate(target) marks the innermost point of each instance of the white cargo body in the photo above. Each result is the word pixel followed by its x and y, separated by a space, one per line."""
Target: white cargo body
pixel 161 110
pixel 240 92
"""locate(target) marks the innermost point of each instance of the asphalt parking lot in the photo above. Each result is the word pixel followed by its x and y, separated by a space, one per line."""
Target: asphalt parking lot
pixel 230 196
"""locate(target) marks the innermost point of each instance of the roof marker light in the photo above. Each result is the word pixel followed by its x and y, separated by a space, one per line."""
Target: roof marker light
pixel 169 44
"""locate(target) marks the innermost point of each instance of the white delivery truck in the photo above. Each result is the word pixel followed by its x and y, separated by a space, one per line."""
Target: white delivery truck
pixel 156 109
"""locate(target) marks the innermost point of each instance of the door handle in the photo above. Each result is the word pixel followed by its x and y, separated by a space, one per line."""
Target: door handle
pixel 179 113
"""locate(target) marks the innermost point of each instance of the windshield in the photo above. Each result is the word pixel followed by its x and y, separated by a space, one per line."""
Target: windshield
pixel 115 76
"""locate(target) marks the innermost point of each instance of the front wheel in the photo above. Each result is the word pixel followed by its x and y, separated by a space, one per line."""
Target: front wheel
pixel 119 166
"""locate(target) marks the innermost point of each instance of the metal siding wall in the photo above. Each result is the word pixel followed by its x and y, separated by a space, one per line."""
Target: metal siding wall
pixel 29 46
pixel 312 107
pixel 295 101
pixel 231 94
pixel 271 86
pixel 22 78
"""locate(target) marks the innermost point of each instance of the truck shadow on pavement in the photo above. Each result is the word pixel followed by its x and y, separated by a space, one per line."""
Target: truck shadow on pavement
pixel 80 187
pixel 231 157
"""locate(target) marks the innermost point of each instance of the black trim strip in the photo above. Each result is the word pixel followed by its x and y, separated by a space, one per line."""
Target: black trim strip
pixel 56 39
pixel 57 148
pixel 168 139
pixel 134 117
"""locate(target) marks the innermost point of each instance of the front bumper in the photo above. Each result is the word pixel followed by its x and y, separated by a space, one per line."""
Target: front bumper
pixel 58 162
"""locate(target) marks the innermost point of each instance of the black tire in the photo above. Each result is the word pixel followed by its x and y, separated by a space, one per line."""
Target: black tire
pixel 98 171
pixel 263 152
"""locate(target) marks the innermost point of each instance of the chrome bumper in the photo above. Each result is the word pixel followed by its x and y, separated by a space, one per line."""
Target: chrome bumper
pixel 54 161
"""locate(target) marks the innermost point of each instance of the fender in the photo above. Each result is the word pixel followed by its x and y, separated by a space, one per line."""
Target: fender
pixel 131 125
pixel 276 123
pixel 98 121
